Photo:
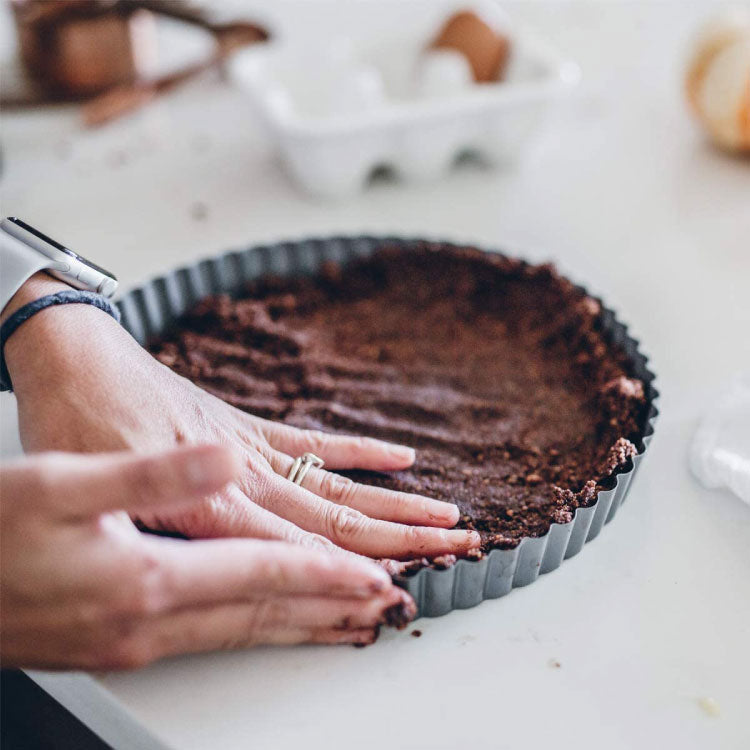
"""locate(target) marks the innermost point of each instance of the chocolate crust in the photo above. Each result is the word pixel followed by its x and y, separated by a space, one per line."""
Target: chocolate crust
pixel 498 373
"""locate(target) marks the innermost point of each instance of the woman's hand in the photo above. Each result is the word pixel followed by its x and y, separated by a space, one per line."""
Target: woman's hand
pixel 81 587
pixel 83 384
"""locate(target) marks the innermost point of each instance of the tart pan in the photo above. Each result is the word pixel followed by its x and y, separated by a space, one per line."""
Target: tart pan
pixel 149 310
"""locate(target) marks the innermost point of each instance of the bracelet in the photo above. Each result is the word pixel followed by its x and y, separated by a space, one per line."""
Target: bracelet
pixel 20 316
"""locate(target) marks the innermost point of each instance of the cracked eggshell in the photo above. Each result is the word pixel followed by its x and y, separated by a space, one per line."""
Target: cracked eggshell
pixel 486 49
pixel 718 80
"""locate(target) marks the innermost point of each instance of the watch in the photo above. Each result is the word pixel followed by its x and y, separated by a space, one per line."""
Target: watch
pixel 25 250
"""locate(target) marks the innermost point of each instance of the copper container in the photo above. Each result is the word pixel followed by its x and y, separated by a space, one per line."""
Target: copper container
pixel 76 49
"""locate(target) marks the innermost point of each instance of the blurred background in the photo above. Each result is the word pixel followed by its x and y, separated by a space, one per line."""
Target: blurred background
pixel 192 160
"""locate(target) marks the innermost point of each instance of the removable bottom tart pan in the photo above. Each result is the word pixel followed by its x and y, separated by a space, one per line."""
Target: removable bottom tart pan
pixel 150 310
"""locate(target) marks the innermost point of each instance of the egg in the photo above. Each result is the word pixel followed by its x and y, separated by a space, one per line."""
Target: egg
pixel 486 49
pixel 441 72
pixel 718 80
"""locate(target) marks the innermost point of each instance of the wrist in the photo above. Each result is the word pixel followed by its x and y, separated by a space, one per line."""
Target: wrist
pixel 57 342
pixel 39 285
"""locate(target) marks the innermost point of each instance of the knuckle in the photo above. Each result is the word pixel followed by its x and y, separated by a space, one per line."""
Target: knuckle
pixel 276 612
pixel 252 430
pixel 336 488
pixel 90 615
pixel 257 479
pixel 274 572
pixel 317 542
pixel 315 570
pixel 205 519
pixel 263 616
pixel 360 444
pixel 267 458
pixel 344 522
pixel 145 594
pixel 424 506
pixel 262 458
pixel 417 538
pixel 320 566
pixel 316 440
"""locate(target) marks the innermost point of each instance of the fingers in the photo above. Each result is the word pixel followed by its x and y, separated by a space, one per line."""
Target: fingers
pixel 78 485
pixel 375 502
pixel 236 570
pixel 234 513
pixel 153 597
pixel 339 451
pixel 274 620
pixel 354 531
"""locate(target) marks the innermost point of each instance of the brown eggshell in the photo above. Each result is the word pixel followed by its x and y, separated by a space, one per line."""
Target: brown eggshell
pixel 486 50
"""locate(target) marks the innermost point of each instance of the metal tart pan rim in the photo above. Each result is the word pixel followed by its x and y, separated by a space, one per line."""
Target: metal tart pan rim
pixel 151 308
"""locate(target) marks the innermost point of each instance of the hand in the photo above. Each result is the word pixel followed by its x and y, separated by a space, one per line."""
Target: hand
pixel 83 384
pixel 81 587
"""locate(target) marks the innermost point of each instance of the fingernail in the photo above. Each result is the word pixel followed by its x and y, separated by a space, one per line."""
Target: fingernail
pixel 402 453
pixel 367 638
pixel 443 511
pixel 401 613
pixel 379 582
pixel 461 538
pixel 392 567
pixel 473 539
pixel 409 604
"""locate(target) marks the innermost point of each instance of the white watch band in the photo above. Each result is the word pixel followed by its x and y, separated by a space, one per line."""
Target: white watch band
pixel 18 262
pixel 25 250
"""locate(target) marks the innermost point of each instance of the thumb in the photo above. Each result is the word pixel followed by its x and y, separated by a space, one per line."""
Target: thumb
pixel 79 486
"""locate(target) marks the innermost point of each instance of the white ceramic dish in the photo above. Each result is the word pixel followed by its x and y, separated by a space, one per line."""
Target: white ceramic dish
pixel 369 98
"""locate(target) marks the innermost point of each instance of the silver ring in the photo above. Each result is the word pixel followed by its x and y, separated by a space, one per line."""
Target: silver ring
pixel 302 465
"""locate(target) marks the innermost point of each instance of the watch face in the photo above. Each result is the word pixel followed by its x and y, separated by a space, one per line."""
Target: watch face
pixel 49 241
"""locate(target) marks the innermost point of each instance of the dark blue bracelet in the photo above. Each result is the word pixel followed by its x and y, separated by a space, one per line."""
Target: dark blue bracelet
pixel 20 316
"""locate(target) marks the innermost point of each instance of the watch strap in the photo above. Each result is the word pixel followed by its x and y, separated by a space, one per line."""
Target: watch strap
pixel 18 262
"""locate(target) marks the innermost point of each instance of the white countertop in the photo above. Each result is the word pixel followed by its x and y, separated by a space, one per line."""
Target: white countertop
pixel 625 196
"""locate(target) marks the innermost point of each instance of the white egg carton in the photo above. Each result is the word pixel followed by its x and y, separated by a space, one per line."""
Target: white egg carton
pixel 371 97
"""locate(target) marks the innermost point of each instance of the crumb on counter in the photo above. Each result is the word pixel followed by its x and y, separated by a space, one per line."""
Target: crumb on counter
pixel 709 706
pixel 198 211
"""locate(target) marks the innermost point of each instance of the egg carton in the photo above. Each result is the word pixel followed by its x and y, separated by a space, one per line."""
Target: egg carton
pixel 365 101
